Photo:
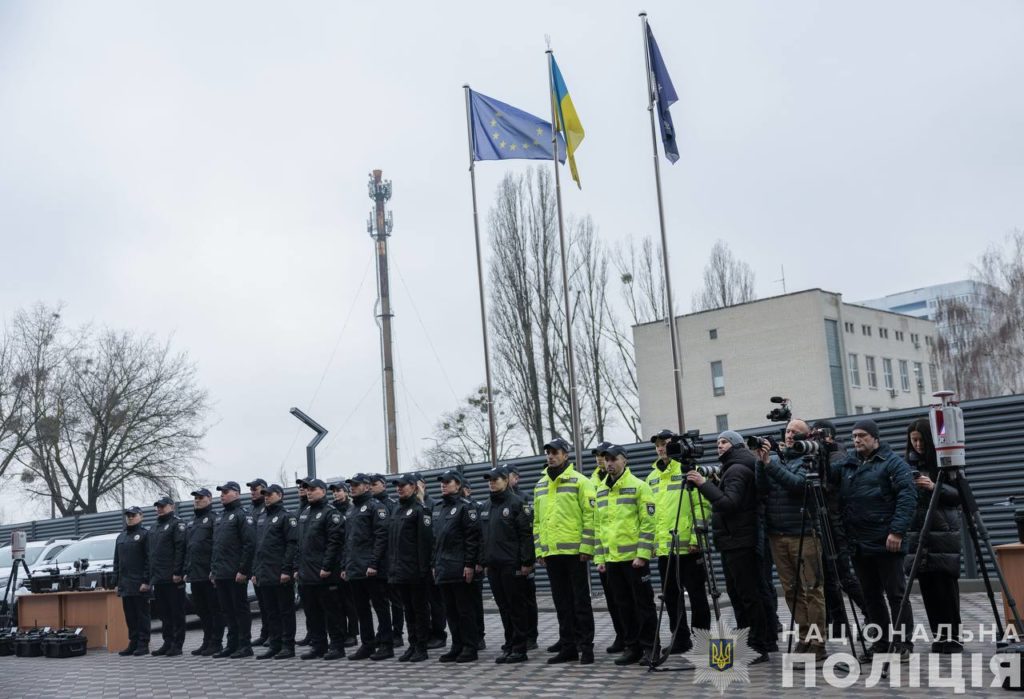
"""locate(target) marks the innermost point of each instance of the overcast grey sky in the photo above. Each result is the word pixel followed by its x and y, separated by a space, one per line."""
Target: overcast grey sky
pixel 199 170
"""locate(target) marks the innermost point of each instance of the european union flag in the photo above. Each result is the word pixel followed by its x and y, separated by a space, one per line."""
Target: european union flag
pixel 666 97
pixel 502 132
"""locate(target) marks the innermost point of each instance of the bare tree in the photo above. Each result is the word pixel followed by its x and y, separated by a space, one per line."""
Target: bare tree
pixel 106 412
pixel 13 394
pixel 727 281
pixel 593 323
pixel 462 436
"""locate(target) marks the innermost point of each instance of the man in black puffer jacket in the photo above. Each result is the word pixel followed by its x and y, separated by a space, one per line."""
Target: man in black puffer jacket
pixel 456 553
pixel 167 575
pixel 277 537
pixel 234 543
pixel 410 541
pixel 198 557
pixel 878 499
pixel 734 522
pixel 366 545
pixel 319 563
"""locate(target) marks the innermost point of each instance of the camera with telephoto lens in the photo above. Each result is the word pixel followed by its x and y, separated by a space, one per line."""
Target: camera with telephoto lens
pixel 784 413
pixel 685 447
pixel 757 441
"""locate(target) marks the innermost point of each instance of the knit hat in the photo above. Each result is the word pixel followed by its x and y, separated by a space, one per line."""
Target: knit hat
pixel 734 438
pixel 868 426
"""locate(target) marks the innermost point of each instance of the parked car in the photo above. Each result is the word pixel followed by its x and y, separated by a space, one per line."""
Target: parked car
pixel 35 552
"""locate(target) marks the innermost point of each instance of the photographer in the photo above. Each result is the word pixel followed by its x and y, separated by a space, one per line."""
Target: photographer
pixel 939 573
pixel 734 522
pixel 782 483
pixel 878 499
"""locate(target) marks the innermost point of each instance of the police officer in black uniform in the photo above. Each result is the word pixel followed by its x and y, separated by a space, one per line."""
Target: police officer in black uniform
pixel 366 545
pixel 456 554
pixel 478 578
pixel 234 543
pixel 409 548
pixel 531 579
pixel 320 561
pixel 131 573
pixel 167 541
pixel 303 504
pixel 277 536
pixel 257 504
pixel 379 488
pixel 438 636
pixel 198 555
pixel 508 556
pixel 349 620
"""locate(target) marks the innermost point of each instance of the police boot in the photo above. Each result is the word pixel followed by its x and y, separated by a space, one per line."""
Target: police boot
pixel 468 655
pixel 143 649
pixel 335 653
pixel 287 651
pixel 587 655
pixel 162 650
pixel 225 653
pixel 243 652
pixel 450 656
pixel 304 642
pixel 363 653
pixel 383 652
pixel 616 647
pixel 555 647
pixel 567 654
pixel 398 641
pixel 437 642
pixel 269 653
pixel 516 657
pixel 173 651
pixel 404 657
pixel 213 649
pixel 261 641
pixel 351 641
pixel 312 654
pixel 418 655
pixel 200 649
pixel 648 657
pixel 130 650
pixel 630 656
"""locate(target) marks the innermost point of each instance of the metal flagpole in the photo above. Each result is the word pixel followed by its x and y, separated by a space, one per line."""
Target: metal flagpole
pixel 480 283
pixel 677 373
pixel 574 406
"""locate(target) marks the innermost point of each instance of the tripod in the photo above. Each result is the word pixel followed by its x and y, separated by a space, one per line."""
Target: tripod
pixel 658 657
pixel 955 476
pixel 812 485
pixel 7 603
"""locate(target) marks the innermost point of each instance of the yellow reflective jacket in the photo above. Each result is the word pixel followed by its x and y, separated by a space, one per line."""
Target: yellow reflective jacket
pixel 666 486
pixel 597 478
pixel 563 514
pixel 625 520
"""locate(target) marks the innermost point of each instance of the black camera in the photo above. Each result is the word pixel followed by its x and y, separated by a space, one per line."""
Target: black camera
pixel 685 447
pixel 809 447
pixel 755 442
pixel 784 413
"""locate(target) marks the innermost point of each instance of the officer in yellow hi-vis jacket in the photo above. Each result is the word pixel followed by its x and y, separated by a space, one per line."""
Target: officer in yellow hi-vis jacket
pixel 597 478
pixel 625 523
pixel 684 567
pixel 563 536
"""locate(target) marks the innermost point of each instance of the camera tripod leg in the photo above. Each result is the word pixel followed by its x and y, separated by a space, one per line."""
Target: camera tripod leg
pixel 799 564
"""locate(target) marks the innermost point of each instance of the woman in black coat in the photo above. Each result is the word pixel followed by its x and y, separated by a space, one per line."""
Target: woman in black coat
pixel 939 572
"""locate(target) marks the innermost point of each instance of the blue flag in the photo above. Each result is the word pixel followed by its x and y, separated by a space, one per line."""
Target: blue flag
pixel 666 97
pixel 502 132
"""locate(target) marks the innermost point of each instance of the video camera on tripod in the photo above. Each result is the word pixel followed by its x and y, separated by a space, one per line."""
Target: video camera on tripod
pixel 686 448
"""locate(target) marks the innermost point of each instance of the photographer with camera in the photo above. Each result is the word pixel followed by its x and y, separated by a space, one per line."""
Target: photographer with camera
pixel 734 522
pixel 877 499
pixel 679 566
pixel 782 482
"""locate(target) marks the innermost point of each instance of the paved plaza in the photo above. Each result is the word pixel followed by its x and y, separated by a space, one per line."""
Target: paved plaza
pixel 101 674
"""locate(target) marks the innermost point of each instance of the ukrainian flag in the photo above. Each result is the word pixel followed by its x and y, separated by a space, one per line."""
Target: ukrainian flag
pixel 567 121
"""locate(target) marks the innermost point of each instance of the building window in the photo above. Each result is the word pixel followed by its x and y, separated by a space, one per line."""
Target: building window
pixel 919 377
pixel 835 366
pixel 887 372
pixel 875 410
pixel 899 335
pixel 849 326
pixel 854 371
pixel 717 379
pixel 933 373
pixel 915 338
pixel 904 375
pixel 883 333
pixel 713 334
pixel 721 423
pixel 858 409
pixel 928 340
pixel 865 330
pixel 869 366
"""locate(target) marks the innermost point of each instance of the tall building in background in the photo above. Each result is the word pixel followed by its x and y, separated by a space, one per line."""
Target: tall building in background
pixel 924 302
pixel 830 357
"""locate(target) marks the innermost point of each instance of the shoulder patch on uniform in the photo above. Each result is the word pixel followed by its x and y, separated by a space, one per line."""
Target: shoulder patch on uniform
pixel 593 502
pixel 336 518
pixel 248 520
pixel 650 508
pixel 205 520
pixel 274 520
pixel 382 514
pixel 319 515
pixel 363 508
pixel 181 526
pixel 472 515
pixel 426 520
pixel 138 536
pixel 506 512
pixel 527 509
pixel 231 516
pixel 292 521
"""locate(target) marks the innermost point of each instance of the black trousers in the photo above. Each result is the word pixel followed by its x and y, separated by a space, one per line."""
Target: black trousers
pixel 437 621
pixel 323 616
pixel 882 579
pixel 234 603
pixel 941 595
pixel 262 604
pixel 510 593
pixel 204 600
pixel 687 575
pixel 349 618
pixel 397 615
pixel 634 596
pixel 836 590
pixel 742 573
pixel 531 606
pixel 766 589
pixel 367 593
pixel 136 618
pixel 460 611
pixel 170 607
pixel 613 609
pixel 570 591
pixel 279 601
pixel 478 605
pixel 416 605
